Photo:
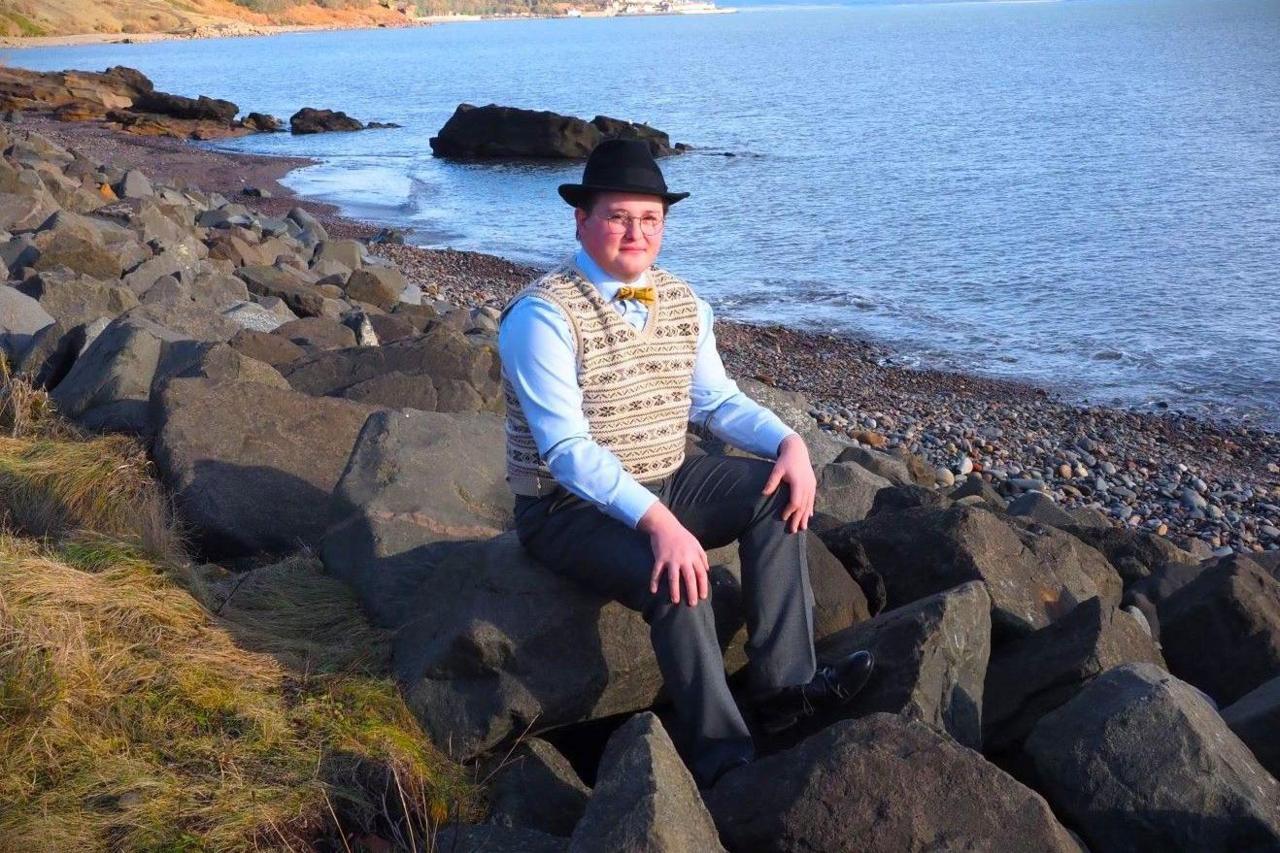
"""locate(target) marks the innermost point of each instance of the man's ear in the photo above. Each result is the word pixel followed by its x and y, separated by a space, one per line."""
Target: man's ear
pixel 579 217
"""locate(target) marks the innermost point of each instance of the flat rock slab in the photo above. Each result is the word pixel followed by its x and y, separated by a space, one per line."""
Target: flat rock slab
pixel 1032 676
pixel 252 466
pixel 414 479
pixel 1139 761
pixel 1221 632
pixel 644 799
pixel 881 783
pixel 931 660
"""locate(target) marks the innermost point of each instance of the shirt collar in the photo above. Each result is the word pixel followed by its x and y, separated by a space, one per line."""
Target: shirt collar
pixel 605 283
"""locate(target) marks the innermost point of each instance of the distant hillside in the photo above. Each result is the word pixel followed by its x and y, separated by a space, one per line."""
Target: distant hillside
pixel 210 17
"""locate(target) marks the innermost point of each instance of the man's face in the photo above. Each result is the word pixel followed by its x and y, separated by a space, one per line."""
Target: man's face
pixel 627 254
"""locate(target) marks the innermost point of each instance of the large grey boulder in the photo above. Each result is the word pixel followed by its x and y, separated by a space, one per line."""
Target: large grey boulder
pixel 1035 574
pixel 302 298
pixel 109 386
pixel 1221 632
pixel 931 661
pixel 50 354
pixel 847 491
pixel 1255 718
pixel 881 783
pixel 441 371
pixel 1139 761
pixel 1030 677
pixel 379 286
pixel 258 484
pixel 415 483
pixel 496 643
pixel 21 317
pixel 76 299
pixel 1135 553
pixel 645 800
pixel 536 788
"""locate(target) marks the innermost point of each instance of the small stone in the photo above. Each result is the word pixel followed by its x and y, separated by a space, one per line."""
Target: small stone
pixel 966 465
pixel 1064 471
pixel 1192 500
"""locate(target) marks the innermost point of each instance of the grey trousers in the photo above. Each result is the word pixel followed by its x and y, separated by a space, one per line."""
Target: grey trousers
pixel 718 499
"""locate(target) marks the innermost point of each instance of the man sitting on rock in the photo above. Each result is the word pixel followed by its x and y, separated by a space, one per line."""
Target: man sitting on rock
pixel 606 360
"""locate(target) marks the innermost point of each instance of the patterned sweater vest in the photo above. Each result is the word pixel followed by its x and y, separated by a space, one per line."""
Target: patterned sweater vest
pixel 635 382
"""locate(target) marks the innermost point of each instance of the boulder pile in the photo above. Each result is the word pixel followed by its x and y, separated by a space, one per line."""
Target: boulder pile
pixel 125 99
pixel 1043 683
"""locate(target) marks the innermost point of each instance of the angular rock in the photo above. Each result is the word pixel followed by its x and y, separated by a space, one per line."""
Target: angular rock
pixel 884 465
pixel 109 386
pixel 303 299
pixel 258 484
pixel 415 484
pixel 389 328
pixel 931 661
pixel 1139 761
pixel 77 252
pixel 907 497
pixel 536 788
pixel 1035 574
pixel 248 315
pixel 310 120
pixel 440 371
pixel 316 333
pixel 270 349
pixel 1255 718
pixel 1221 632
pixel 220 362
pixel 881 783
pixel 975 486
pixel 1136 554
pixel 1032 676
pixel 496 642
pixel 377 286
pixel 1037 506
pixel 78 299
pixel 186 318
pixel 645 798
pixel 21 318
pixel 51 353
pixel 846 491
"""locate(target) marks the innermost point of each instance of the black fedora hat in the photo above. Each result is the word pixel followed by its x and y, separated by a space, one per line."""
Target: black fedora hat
pixel 620 166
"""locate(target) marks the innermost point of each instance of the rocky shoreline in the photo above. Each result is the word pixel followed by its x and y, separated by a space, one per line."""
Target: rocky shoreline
pixel 1207 485
pixel 303 387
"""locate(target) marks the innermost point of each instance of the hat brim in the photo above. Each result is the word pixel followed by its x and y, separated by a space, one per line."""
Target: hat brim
pixel 576 194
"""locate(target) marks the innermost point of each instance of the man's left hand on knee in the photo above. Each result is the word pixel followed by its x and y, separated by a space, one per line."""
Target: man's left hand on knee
pixel 794 468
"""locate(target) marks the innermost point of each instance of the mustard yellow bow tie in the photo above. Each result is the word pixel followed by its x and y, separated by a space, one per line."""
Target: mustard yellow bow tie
pixel 647 295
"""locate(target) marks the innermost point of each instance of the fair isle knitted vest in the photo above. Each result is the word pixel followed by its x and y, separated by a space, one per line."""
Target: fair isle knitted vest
pixel 635 382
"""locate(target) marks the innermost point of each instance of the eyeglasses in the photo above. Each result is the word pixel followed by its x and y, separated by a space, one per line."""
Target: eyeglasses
pixel 620 223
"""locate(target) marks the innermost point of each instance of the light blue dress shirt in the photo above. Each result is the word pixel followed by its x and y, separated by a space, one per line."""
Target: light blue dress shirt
pixel 538 356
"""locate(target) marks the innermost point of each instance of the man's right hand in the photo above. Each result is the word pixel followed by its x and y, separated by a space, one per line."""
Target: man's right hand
pixel 678 554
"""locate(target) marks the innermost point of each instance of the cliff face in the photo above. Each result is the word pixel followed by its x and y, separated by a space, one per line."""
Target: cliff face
pixel 197 17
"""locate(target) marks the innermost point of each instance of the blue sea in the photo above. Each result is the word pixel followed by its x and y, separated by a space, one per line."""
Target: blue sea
pixel 1083 194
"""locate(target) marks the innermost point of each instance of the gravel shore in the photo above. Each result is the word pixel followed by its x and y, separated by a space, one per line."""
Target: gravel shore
pixel 1207 485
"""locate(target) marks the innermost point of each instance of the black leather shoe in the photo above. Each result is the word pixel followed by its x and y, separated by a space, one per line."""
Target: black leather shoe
pixel 831 686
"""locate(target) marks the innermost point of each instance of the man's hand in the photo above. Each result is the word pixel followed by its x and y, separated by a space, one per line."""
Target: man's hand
pixel 676 552
pixel 794 469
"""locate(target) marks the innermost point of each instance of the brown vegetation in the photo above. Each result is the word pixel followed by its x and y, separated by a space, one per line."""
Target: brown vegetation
pixel 146 703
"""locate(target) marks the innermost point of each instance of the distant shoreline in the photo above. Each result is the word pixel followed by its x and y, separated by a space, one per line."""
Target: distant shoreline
pixel 255 31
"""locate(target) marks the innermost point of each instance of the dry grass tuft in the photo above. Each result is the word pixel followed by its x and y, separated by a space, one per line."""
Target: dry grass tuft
pixel 149 705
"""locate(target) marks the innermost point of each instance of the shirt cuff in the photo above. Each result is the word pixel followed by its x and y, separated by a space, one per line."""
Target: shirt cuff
pixel 773 434
pixel 631 503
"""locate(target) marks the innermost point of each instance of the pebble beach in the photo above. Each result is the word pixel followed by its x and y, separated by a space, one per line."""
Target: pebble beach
pixel 1209 486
